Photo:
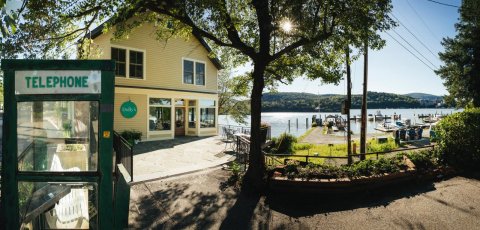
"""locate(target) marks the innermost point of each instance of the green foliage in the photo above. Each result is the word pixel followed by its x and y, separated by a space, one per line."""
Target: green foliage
pixel 459 136
pixel 302 146
pixel 373 146
pixel 423 160
pixel 233 94
pixel 131 135
pixel 306 102
pixel 358 169
pixel 284 143
pixel 461 67
pixel 25 190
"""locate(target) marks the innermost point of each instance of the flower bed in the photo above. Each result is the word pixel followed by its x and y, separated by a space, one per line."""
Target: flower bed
pixel 363 175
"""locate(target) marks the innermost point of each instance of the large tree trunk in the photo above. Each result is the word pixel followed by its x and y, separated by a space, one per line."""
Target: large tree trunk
pixel 255 175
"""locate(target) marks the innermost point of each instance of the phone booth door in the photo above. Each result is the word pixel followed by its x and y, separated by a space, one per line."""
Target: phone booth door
pixel 57 146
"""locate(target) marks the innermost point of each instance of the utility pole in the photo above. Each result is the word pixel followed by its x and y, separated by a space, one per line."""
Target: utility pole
pixel 348 106
pixel 364 105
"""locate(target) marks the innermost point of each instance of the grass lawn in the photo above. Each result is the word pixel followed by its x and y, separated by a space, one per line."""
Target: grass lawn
pixel 338 150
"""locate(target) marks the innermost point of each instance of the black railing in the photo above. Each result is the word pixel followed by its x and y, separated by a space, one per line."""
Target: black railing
pixel 233 129
pixel 123 153
pixel 225 129
pixel 272 159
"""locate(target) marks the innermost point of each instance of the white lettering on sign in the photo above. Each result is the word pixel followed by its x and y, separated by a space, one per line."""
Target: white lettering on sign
pixel 58 82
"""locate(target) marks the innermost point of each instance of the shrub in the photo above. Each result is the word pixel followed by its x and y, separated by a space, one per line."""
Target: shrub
pixel 373 146
pixel 291 170
pixel 459 136
pixel 423 159
pixel 131 135
pixel 284 143
pixel 314 124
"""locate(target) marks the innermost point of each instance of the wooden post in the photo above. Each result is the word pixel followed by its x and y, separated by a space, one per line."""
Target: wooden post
pixel 306 123
pixel 364 105
pixel 348 105
pixel 288 126
pixel 297 122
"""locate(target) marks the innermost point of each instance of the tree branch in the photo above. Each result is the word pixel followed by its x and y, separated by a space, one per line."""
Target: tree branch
pixel 233 35
pixel 301 42
pixel 276 75
pixel 185 19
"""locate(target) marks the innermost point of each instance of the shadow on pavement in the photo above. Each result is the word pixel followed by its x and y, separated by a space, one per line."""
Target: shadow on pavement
pixel 149 146
pixel 182 206
pixel 301 205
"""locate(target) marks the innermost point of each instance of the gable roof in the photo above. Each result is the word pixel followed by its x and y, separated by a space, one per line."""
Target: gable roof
pixel 98 31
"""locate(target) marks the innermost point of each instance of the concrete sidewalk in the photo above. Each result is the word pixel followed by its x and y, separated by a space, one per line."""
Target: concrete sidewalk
pixel 161 159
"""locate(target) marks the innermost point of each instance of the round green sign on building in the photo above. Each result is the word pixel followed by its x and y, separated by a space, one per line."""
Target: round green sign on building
pixel 128 109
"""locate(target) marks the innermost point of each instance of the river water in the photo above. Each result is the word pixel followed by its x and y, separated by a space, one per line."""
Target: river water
pixel 279 120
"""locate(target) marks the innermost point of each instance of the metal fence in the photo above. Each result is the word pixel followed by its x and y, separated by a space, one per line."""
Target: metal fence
pixel 273 159
pixel 123 153
pixel 224 129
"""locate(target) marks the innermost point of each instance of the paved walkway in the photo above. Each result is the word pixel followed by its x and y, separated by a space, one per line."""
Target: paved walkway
pixel 201 201
pixel 166 158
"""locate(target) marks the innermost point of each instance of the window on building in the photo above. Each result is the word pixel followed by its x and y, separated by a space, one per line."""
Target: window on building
pixel 187 72
pixel 119 55
pixel 160 114
pixel 199 73
pixel 131 67
pixel 136 64
pixel 207 113
pixel 193 72
pixel 191 117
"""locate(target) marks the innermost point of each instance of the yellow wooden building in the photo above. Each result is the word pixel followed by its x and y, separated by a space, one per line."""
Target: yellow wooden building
pixel 173 83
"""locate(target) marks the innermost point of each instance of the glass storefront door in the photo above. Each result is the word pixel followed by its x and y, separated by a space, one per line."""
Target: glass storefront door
pixel 180 121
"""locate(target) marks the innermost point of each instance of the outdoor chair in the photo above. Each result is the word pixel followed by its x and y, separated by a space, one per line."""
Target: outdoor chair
pixel 71 211
pixel 229 140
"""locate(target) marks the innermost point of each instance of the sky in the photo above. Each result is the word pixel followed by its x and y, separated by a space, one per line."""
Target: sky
pixel 393 69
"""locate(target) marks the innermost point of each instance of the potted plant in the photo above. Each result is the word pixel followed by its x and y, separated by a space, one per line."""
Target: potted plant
pixel 132 136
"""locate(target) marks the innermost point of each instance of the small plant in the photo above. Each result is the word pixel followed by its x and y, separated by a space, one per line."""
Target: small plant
pixel 131 135
pixel 235 179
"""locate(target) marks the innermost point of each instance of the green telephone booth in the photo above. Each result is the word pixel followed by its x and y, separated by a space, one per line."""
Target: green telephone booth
pixel 57 162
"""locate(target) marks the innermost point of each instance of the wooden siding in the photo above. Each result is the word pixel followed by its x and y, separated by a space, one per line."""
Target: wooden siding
pixel 164 60
pixel 139 122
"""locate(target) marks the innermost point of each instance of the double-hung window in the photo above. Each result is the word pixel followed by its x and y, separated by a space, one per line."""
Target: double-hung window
pixel 128 63
pixel 120 57
pixel 193 72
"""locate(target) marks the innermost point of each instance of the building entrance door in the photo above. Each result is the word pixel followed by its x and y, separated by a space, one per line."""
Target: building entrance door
pixel 179 121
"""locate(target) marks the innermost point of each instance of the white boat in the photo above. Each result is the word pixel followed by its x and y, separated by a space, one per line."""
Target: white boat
pixel 386 127
pixel 378 116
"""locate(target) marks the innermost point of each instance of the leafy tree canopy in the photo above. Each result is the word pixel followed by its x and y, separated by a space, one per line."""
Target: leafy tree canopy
pixel 461 68
pixel 238 31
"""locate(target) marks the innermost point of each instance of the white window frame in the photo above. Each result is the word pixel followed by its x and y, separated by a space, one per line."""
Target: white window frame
pixel 127 60
pixel 208 107
pixel 195 61
pixel 171 106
